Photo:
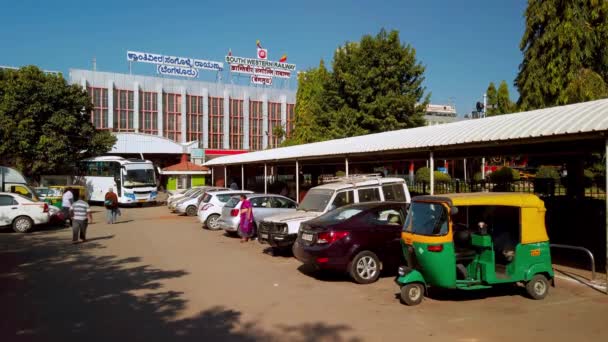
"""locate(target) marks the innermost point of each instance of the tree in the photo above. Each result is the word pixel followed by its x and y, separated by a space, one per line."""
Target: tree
pixel 491 100
pixel 376 86
pixel 561 39
pixel 46 123
pixel 503 100
pixel 588 85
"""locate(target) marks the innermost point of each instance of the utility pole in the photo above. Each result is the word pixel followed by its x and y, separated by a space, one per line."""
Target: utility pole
pixel 485 104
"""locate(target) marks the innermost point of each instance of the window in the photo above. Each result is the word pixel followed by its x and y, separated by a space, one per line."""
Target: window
pixel 216 122
pixel 172 116
pixel 274 124
pixel 100 169
pixel 316 200
pixel 280 202
pixel 369 195
pixel 394 192
pixel 291 120
pixel 123 110
pixel 7 200
pixel 255 125
pixel 99 115
pixel 148 108
pixel 194 129
pixel 427 219
pixel 343 198
pixel 260 202
pixel 389 217
pixel 225 198
pixel 236 124
pixel 339 215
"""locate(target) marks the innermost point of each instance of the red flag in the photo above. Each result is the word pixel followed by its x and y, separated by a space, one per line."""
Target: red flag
pixel 283 59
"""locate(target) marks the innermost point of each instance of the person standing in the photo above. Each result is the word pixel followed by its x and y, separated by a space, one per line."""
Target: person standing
pixel 81 217
pixel 234 186
pixel 246 222
pixel 66 204
pixel 111 204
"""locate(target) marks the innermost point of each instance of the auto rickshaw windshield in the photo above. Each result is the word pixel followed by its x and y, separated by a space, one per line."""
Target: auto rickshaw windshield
pixel 426 218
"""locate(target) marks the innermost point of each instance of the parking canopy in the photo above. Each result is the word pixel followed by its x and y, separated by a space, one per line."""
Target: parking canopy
pixel 577 121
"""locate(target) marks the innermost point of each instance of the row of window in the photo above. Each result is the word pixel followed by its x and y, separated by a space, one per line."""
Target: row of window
pixel 172 105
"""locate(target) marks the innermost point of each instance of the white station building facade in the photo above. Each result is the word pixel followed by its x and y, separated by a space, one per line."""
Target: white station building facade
pixel 162 118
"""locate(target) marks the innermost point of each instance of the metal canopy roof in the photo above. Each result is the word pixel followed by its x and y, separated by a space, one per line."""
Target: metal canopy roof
pixel 556 122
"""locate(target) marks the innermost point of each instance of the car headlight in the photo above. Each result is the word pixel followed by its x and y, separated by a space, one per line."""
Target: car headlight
pixel 283 229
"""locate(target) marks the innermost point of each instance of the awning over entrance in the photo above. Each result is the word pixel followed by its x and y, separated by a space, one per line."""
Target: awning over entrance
pixel 135 143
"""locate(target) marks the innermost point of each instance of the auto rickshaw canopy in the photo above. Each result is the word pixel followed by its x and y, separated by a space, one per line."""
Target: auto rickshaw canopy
pixel 532 209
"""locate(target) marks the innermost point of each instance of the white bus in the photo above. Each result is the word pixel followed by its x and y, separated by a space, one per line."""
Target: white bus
pixel 133 180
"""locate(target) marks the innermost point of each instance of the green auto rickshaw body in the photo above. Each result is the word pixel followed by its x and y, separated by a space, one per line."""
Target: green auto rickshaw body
pixel 445 247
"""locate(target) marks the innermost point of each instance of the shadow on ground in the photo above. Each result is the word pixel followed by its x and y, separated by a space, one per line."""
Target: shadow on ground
pixel 51 290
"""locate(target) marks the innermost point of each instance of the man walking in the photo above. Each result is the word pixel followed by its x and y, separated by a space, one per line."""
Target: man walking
pixel 81 217
pixel 111 204
pixel 66 204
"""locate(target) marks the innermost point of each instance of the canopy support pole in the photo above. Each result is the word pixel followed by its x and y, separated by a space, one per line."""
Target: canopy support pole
pixel 465 169
pixel 298 182
pixel 242 176
pixel 483 168
pixel 226 177
pixel 606 203
pixel 432 173
pixel 212 178
pixel 265 178
pixel 346 165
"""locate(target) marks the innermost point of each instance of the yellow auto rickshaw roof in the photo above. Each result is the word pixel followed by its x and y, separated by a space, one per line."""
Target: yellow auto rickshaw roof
pixel 513 199
pixel 66 186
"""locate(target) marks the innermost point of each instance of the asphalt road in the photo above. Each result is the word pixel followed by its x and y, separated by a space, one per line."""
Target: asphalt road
pixel 156 276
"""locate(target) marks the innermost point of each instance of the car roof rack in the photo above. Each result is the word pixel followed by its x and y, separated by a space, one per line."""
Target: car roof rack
pixel 353 178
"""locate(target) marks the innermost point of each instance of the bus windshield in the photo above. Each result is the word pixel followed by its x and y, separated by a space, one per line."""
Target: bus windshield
pixel 139 175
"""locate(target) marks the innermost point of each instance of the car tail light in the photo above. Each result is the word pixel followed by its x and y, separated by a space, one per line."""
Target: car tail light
pixel 206 206
pixel 234 212
pixel 322 260
pixel 434 248
pixel 45 209
pixel 329 237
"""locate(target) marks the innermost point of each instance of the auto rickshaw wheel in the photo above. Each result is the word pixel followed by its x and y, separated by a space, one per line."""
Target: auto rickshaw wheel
pixel 538 287
pixel 412 294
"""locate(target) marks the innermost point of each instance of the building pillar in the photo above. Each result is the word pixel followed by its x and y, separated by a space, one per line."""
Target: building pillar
pixel 205 95
pixel 346 166
pixel 284 116
pixel 160 119
pixel 242 177
pixel 245 121
pixel 464 163
pixel 264 121
pixel 111 105
pixel 136 107
pixel 226 125
pixel 184 123
pixel 83 83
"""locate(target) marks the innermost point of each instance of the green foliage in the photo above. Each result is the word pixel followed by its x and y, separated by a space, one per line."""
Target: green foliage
pixel 547 172
pixel 423 174
pixel 340 174
pixel 498 101
pixel 478 176
pixel 561 40
pixel 504 174
pixel 46 123
pixel 375 85
pixel 491 100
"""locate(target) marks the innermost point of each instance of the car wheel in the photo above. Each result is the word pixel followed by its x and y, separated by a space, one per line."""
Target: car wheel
pixel 22 224
pixel 191 211
pixel 365 267
pixel 412 294
pixel 538 287
pixel 212 222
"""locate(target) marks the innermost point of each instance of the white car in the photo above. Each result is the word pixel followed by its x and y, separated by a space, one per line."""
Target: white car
pixel 21 212
pixel 189 204
pixel 178 196
pixel 210 209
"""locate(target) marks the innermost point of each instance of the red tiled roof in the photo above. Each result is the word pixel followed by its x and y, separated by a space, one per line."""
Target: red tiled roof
pixel 185 165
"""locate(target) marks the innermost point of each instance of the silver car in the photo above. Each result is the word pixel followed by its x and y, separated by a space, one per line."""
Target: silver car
pixel 264 205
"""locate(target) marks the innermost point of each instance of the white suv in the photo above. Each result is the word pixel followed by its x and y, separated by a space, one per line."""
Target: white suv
pixel 210 208
pixel 281 231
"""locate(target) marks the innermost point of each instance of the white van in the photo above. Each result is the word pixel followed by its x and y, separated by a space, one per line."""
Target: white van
pixel 281 231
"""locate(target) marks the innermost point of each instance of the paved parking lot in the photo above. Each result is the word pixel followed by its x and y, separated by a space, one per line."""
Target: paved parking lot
pixel 160 277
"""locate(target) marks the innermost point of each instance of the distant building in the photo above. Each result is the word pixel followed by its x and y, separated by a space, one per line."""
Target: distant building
pixel 440 114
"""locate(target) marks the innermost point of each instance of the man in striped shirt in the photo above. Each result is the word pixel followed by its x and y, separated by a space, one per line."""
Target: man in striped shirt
pixel 81 217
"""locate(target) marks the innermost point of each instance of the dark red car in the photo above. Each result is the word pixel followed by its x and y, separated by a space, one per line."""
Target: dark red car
pixel 362 239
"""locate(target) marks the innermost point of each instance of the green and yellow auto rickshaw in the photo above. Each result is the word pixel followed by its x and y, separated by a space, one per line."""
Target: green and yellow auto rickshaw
pixel 475 241
pixel 55 194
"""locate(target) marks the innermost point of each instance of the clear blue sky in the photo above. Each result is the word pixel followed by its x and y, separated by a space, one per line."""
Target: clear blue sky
pixel 464 45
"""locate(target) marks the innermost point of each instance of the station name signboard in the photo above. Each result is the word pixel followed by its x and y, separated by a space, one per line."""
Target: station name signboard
pixel 173 65
pixel 260 63
pixel 262 80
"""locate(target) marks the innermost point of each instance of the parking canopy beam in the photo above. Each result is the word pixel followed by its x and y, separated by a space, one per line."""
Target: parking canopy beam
pixel 432 173
pixel 297 182
pixel 265 178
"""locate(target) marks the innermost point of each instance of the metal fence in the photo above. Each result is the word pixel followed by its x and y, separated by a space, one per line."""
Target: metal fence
pixel 541 187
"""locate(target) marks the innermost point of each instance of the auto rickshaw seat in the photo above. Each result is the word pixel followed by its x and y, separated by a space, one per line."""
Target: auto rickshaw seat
pixel 463 249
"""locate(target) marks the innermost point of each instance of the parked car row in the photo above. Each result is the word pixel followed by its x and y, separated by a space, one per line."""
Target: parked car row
pixel 22 213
